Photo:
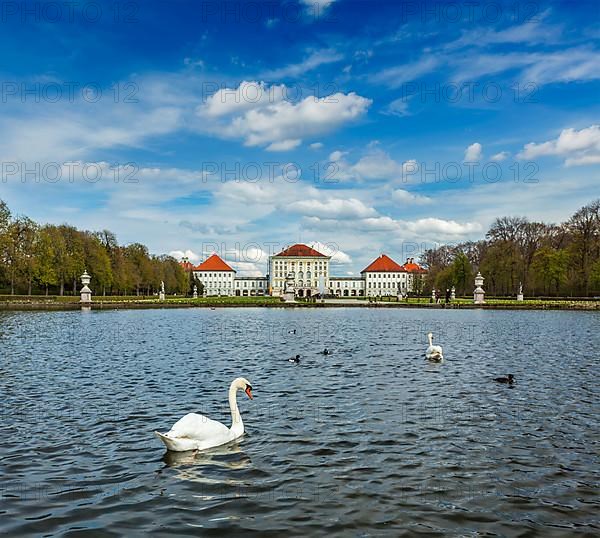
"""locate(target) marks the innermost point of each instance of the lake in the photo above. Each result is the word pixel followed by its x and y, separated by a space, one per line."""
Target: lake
pixel 369 441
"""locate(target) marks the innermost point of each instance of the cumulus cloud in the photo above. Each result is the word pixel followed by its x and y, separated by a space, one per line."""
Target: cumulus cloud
pixel 334 208
pixel 408 198
pixel 284 145
pixel 338 257
pixel 498 157
pixel 579 147
pixel 335 156
pixel 398 107
pixel 376 165
pixel 190 254
pixel 430 228
pixel 473 153
pixel 262 115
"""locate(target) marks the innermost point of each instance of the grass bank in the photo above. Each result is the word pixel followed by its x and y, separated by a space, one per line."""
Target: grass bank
pixel 41 302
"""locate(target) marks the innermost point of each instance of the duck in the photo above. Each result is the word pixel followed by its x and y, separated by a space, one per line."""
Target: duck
pixel 293 331
pixel 197 432
pixel 433 353
pixel 295 360
pixel 325 352
pixel 509 379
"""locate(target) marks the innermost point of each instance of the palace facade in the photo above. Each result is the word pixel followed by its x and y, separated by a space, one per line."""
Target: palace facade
pixel 306 271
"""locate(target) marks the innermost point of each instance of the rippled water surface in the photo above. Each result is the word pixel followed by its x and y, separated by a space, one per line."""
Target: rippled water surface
pixel 369 441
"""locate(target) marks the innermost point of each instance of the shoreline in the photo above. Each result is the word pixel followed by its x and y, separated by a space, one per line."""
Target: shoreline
pixel 50 305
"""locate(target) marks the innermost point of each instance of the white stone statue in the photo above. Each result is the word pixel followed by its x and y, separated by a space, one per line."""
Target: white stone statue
pixel 289 290
pixel 86 293
pixel 520 294
pixel 195 291
pixel 479 293
pixel 161 295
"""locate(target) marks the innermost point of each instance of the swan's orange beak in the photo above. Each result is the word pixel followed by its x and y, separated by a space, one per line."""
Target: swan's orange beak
pixel 248 392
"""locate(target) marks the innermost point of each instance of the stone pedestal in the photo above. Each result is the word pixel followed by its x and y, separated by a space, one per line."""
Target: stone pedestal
pixel 479 293
pixel 86 292
pixel 289 292
pixel 520 294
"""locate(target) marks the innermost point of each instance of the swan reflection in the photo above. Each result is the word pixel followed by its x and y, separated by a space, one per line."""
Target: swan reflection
pixel 210 466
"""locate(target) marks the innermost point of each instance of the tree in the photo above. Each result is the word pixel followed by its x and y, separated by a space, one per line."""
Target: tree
pixel 18 245
pixel 98 261
pixel 595 277
pixel 585 227
pixel 550 269
pixel 462 274
pixel 44 269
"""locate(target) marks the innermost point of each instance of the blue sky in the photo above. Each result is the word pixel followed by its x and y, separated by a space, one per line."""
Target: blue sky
pixel 242 127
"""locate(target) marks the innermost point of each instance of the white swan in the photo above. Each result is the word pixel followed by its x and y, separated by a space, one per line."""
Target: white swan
pixel 433 353
pixel 197 432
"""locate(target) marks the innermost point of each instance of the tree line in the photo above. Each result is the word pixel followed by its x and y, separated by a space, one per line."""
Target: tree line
pixel 50 259
pixel 548 259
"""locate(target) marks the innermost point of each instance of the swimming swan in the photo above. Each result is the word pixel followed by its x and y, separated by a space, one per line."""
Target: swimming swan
pixel 433 353
pixel 197 432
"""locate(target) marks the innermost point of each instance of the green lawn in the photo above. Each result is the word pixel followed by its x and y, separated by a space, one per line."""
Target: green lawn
pixel 261 301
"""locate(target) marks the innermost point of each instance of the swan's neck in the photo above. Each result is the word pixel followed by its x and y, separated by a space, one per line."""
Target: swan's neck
pixel 430 339
pixel 237 426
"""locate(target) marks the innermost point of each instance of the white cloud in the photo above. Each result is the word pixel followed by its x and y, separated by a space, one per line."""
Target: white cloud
pixel 190 254
pixel 338 257
pixel 434 226
pixel 191 62
pixel 429 228
pixel 334 208
pixel 398 107
pixel 408 198
pixel 316 145
pixel 261 116
pixel 473 153
pixel 377 165
pixel 399 75
pixel 336 155
pixel 314 60
pixel 498 157
pixel 579 147
pixel 284 145
pixel 532 32
pixel 316 7
pixel 246 96
pixel 583 160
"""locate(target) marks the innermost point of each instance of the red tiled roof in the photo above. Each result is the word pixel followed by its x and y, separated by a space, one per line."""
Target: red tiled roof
pixel 300 250
pixel 187 266
pixel 214 263
pixel 412 267
pixel 383 264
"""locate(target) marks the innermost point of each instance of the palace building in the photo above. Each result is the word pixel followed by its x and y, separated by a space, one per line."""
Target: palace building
pixel 306 271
